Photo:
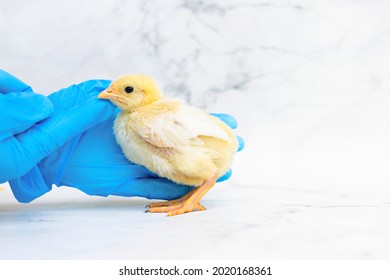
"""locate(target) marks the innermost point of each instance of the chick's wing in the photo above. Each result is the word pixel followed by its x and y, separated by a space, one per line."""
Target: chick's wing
pixel 180 128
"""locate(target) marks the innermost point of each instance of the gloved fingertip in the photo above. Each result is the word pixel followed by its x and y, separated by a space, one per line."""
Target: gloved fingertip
pixel 241 143
pixel 228 119
pixel 225 176
pixel 95 86
pixel 78 93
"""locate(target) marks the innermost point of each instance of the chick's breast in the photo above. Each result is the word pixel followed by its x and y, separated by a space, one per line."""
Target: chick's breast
pixel 176 141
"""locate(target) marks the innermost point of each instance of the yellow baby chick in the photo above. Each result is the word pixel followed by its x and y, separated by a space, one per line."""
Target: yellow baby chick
pixel 171 139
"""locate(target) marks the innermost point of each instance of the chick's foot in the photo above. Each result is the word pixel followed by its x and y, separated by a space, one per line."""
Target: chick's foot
pixel 175 202
pixel 177 208
pixel 186 203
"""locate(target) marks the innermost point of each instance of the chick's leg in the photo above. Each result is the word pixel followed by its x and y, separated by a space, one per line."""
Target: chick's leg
pixel 187 203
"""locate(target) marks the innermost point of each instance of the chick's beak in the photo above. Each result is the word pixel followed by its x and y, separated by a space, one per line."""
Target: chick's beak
pixel 108 94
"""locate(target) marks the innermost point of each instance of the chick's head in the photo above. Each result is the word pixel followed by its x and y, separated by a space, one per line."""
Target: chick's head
pixel 132 91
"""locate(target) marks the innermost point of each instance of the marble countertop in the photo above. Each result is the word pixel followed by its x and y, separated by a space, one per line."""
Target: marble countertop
pixel 241 222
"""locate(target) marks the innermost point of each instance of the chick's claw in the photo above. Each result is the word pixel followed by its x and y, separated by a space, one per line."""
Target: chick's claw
pixel 176 202
pixel 186 209
pixel 177 209
pixel 164 203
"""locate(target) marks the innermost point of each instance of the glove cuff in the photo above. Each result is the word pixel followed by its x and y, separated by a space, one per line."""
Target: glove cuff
pixel 30 186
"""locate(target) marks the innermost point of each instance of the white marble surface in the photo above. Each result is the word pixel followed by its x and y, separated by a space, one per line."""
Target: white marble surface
pixel 308 82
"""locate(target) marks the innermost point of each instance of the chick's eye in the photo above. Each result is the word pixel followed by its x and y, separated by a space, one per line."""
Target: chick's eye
pixel 129 89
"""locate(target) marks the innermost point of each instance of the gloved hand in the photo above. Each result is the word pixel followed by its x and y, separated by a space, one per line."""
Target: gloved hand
pixel 34 126
pixel 66 139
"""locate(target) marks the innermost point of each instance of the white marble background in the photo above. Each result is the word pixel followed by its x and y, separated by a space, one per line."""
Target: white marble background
pixel 307 81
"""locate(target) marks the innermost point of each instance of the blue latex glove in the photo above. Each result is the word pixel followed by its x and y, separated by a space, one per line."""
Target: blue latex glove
pixel 66 139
